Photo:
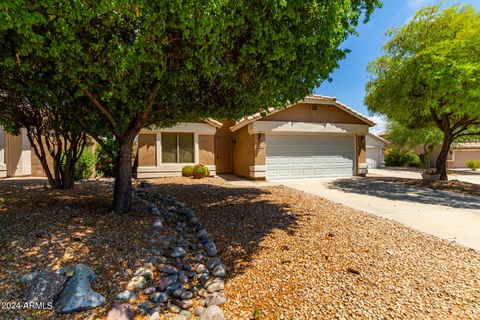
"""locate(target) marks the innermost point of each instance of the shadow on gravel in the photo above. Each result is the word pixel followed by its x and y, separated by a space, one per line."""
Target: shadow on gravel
pixel 237 218
pixel 394 189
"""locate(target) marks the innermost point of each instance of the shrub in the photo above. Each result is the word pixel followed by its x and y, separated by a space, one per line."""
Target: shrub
pixel 207 172
pixel 187 171
pixel 85 166
pixel 401 158
pixel 473 164
pixel 105 161
pixel 199 171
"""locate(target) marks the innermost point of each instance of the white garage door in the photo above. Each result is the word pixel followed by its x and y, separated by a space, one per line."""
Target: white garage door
pixel 374 157
pixel 307 156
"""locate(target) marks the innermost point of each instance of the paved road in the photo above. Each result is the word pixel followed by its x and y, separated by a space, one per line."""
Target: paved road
pixel 447 215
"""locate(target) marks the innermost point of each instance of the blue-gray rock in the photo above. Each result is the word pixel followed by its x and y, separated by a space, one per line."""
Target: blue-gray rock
pixel 154 210
pixel 78 295
pixel 216 299
pixel 182 277
pixel 45 287
pixel 176 291
pixel 159 297
pixel 150 290
pixel 202 234
pixel 219 271
pixel 153 260
pixel 78 269
pixel 126 295
pixel 26 278
pixel 184 304
pixel 178 252
pixel 120 311
pixel 158 224
pixel 144 307
pixel 212 313
pixel 213 262
pixel 166 268
pixel 186 295
pixel 204 278
pixel 210 248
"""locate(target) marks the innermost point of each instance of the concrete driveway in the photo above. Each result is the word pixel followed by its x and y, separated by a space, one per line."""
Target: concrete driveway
pixel 447 215
pixel 413 173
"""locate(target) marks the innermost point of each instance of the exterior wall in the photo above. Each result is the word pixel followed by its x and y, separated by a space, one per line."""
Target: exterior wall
pixel 243 152
pixel 303 113
pixel 147 151
pixel 17 154
pixel 224 147
pixel 459 157
pixel 150 144
pixel 206 146
pixel 3 166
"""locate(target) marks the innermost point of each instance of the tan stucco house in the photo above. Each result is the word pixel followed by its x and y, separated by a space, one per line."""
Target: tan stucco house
pixel 317 137
pixel 459 154
pixel 376 146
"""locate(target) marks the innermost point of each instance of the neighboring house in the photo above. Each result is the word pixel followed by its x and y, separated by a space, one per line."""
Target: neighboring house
pixel 375 151
pixel 318 137
pixel 459 154
pixel 15 154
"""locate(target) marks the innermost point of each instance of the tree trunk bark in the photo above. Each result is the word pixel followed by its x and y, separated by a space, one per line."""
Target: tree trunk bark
pixel 122 193
pixel 441 163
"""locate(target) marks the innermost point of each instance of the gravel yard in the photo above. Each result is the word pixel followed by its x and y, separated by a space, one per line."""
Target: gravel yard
pixel 296 256
pixel 290 255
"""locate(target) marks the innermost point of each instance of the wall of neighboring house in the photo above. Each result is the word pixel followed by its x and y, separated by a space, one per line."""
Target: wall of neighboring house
pixel 460 157
pixel 3 166
pixel 17 154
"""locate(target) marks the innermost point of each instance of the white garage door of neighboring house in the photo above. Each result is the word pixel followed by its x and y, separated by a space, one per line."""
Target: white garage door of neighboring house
pixel 374 157
pixel 307 156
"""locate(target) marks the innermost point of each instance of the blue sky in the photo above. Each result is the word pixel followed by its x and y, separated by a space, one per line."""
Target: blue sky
pixel 349 79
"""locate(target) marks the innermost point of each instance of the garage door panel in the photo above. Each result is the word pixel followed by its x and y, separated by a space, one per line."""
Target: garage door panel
pixel 306 156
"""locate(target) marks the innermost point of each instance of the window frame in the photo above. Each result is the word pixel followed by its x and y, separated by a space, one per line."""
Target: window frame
pixel 177 136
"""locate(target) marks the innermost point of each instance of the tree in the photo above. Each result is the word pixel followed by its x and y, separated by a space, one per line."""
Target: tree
pixel 403 137
pixel 429 75
pixel 162 62
pixel 29 101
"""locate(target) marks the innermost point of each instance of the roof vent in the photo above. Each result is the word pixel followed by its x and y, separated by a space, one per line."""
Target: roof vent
pixel 314 107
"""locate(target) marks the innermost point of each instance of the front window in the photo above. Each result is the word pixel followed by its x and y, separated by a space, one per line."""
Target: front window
pixel 177 147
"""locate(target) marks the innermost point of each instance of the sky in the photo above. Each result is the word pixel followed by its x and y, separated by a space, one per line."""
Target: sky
pixel 349 79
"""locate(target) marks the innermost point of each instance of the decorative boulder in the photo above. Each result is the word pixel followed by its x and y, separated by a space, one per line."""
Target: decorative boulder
pixel 45 287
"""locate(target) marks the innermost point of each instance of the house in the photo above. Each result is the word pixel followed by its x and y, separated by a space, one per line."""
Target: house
pixel 15 154
pixel 459 154
pixel 317 137
pixel 375 151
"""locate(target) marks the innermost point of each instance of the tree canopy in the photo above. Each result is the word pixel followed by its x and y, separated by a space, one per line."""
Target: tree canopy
pixel 429 74
pixel 161 62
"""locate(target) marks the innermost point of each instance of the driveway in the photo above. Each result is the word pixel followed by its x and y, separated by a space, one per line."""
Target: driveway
pixel 451 216
pixel 413 173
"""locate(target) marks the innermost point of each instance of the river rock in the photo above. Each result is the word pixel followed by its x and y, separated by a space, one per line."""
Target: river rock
pixel 137 282
pixel 44 287
pixel 212 313
pixel 120 311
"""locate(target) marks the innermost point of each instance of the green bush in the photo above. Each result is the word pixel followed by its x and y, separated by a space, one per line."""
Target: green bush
pixel 473 164
pixel 207 174
pixel 401 158
pixel 199 171
pixel 105 165
pixel 85 166
pixel 187 171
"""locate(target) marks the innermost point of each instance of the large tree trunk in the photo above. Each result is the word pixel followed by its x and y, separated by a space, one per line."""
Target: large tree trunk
pixel 122 193
pixel 441 163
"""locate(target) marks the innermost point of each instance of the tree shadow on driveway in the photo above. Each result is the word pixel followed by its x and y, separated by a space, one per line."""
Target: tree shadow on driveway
pixel 391 189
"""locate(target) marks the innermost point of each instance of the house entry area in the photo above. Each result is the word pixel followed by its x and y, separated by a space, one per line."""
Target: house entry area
pixel 309 156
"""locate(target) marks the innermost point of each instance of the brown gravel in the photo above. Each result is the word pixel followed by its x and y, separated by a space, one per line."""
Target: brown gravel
pixel 44 229
pixel 295 256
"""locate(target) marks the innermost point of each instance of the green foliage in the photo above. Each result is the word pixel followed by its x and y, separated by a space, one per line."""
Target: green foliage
pixel 402 136
pixel 400 158
pixel 157 63
pixel 105 165
pixel 187 171
pixel 473 164
pixel 257 313
pixel 199 171
pixel 207 172
pixel 428 75
pixel 85 166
